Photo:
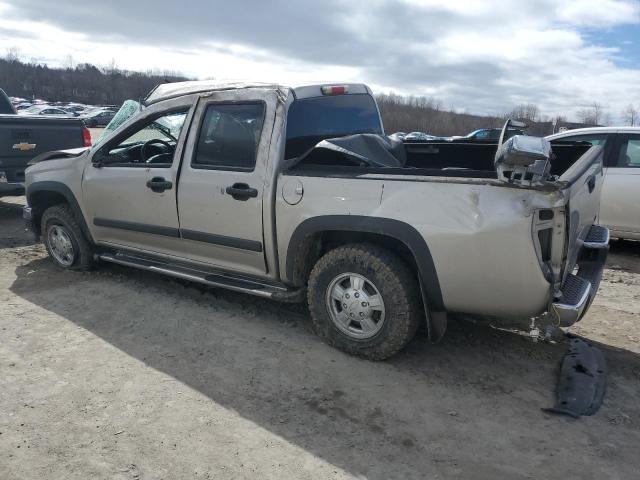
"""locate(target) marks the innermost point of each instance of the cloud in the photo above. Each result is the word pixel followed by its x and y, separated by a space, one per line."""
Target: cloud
pixel 476 55
pixel 600 13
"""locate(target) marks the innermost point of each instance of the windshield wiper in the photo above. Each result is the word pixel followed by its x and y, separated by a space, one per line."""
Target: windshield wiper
pixel 164 130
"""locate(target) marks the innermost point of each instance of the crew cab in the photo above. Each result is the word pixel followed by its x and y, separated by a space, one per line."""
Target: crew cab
pixel 23 137
pixel 295 192
pixel 621 188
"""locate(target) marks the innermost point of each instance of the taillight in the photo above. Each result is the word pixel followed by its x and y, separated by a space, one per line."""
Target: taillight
pixel 334 90
pixel 86 137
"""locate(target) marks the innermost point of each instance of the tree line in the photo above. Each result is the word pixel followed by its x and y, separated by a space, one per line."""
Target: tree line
pixel 89 84
pixel 424 114
pixel 83 83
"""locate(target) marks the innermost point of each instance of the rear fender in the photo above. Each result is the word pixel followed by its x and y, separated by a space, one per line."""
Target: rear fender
pixel 394 229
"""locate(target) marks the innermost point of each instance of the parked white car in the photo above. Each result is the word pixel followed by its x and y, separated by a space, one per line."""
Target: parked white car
pixel 620 201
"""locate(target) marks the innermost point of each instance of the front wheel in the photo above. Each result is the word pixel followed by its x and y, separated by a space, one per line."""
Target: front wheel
pixel 64 240
pixel 364 300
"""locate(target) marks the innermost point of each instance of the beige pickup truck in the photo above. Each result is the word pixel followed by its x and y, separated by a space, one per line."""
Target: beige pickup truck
pixel 293 193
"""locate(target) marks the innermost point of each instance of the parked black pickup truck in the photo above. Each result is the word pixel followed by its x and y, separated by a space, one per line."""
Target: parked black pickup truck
pixel 24 137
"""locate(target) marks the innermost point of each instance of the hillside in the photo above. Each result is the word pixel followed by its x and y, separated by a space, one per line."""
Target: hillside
pixel 84 84
pixel 89 84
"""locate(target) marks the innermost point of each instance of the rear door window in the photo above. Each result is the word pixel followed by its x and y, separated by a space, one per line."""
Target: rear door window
pixel 229 137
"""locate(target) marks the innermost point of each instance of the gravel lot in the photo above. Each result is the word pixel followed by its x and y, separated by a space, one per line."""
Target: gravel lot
pixel 122 374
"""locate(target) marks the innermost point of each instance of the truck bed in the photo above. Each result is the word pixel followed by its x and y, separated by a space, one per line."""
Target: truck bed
pixel 24 137
pixel 434 158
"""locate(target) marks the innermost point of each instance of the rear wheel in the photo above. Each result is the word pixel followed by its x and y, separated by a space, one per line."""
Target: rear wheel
pixel 364 301
pixel 64 240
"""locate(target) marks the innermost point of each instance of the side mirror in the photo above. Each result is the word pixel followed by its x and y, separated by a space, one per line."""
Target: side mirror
pixel 524 160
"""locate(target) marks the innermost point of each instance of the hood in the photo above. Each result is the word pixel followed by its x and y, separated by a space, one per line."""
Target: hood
pixel 58 154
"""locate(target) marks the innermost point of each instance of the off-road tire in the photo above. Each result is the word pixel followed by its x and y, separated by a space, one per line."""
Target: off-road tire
pixel 62 215
pixel 397 285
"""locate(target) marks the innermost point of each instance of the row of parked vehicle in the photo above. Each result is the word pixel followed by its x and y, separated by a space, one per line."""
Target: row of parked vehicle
pixel 93 116
pixel 483 134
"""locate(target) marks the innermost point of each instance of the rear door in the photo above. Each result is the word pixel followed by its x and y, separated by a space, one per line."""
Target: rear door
pixel 223 177
pixel 620 205
pixel 584 185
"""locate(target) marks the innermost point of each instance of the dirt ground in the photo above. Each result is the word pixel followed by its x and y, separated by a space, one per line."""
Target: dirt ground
pixel 122 374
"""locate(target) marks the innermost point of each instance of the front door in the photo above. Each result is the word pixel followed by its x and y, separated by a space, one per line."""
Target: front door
pixel 130 187
pixel 222 181
pixel 620 203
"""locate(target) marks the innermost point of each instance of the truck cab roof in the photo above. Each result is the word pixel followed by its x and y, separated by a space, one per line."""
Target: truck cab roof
pixel 167 91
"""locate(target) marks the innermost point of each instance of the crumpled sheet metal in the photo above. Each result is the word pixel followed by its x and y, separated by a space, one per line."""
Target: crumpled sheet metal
pixel 367 148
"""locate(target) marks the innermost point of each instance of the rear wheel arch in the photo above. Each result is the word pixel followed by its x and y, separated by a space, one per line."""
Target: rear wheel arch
pixel 364 300
pixel 317 235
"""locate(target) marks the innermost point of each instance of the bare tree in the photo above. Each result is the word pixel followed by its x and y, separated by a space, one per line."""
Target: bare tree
pixel 527 112
pixel 592 115
pixel 68 62
pixel 13 54
pixel 630 115
pixel 112 68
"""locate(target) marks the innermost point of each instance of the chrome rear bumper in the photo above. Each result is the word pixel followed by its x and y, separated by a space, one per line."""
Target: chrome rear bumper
pixel 580 288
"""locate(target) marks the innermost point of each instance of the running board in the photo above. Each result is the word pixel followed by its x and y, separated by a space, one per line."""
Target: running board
pixel 238 284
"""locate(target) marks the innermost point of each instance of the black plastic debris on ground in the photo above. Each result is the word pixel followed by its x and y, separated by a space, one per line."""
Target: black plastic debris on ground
pixel 583 380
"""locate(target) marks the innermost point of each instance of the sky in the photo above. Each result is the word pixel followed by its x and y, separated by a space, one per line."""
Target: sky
pixel 479 56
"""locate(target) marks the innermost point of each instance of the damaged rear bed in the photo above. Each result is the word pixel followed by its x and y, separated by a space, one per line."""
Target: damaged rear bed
pixel 369 153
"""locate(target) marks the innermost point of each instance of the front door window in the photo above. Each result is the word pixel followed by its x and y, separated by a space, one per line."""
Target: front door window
pixel 153 144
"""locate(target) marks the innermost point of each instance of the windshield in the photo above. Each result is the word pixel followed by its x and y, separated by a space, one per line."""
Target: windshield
pixel 312 120
pixel 129 109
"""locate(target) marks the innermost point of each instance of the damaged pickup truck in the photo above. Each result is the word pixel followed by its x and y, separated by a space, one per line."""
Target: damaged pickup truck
pixel 293 193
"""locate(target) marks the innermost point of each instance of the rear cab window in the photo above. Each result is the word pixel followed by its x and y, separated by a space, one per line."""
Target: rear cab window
pixel 311 120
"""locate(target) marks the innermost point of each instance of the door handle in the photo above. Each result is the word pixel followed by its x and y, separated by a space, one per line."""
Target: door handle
pixel 591 183
pixel 159 184
pixel 241 191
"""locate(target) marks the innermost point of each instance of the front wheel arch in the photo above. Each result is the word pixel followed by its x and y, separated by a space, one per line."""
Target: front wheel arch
pixel 44 194
pixel 77 249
